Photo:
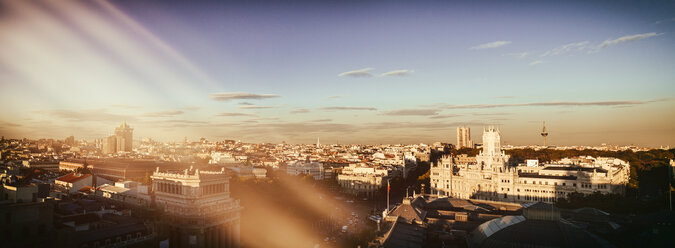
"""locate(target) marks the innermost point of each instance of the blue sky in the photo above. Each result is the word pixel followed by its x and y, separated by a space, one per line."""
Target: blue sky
pixel 354 72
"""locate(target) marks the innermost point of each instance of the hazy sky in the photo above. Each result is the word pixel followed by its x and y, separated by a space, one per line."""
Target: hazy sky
pixel 352 72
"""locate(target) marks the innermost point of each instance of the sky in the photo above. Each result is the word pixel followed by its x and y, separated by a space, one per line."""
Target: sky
pixel 368 72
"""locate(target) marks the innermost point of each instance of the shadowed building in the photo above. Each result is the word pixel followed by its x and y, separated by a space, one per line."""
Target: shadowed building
pixel 199 208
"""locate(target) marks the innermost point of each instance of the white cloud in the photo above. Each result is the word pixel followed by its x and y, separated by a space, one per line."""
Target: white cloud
pixel 490 45
pixel 357 73
pixel 571 47
pixel 627 38
pixel 227 96
pixel 536 62
pixel 517 55
pixel 396 73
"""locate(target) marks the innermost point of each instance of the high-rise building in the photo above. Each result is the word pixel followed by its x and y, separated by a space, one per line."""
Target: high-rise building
pixel 464 137
pixel 70 141
pixel 201 211
pixel 109 144
pixel 125 137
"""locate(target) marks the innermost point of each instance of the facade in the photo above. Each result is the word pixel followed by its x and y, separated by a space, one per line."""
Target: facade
pixel 199 207
pixel 489 176
pixel 125 135
pixel 464 137
pixel 362 180
pixel 306 168
pixel 121 141
pixel 73 182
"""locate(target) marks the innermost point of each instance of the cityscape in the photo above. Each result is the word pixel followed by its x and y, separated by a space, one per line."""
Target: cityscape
pixel 371 124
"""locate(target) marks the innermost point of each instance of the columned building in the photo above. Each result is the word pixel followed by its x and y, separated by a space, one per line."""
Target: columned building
pixel 199 207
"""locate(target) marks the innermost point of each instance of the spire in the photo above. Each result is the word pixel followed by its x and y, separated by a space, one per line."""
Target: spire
pixel 544 133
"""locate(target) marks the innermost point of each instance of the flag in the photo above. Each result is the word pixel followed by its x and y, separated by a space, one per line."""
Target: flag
pixel 388 187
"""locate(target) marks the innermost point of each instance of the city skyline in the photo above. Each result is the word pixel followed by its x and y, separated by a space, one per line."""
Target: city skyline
pixel 373 72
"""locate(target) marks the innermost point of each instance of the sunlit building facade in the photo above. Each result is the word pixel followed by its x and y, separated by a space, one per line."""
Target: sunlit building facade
pixel 489 176
pixel 198 205
pixel 464 137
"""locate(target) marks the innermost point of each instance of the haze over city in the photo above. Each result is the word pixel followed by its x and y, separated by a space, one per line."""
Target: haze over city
pixel 357 72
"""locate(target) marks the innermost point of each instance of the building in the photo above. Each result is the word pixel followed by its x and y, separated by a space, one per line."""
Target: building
pixel 27 224
pixel 199 207
pixel 73 182
pixel 109 144
pixel 362 180
pixel 121 141
pixel 315 169
pixel 464 137
pixel 125 135
pixel 432 221
pixel 490 176
pixel 540 225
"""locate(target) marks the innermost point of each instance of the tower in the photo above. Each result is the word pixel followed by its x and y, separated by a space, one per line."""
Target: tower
pixel 464 137
pixel 125 137
pixel 491 142
pixel 544 133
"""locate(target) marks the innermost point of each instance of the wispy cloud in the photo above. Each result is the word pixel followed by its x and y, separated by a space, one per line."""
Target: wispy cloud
pixel 300 111
pixel 624 39
pixel 490 45
pixel 396 73
pixel 255 107
pixel 444 116
pixel 365 72
pixel 245 103
pixel 227 96
pixel 167 113
pixel 231 114
pixel 99 115
pixel 417 112
pixel 665 20
pixel 321 120
pixel 568 104
pixel 536 62
pixel 334 97
pixel 517 55
pixel 571 47
pixel 490 114
pixel 192 108
pixel 331 108
pixel 124 106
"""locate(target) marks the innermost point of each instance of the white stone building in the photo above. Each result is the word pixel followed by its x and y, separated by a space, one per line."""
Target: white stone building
pixel 489 176
pixel 306 168
pixel 200 207
pixel 362 180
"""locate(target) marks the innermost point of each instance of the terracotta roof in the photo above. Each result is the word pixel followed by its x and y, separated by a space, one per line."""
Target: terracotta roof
pixel 86 189
pixel 73 177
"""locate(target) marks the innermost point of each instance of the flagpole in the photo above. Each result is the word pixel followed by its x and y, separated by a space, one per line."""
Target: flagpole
pixel 388 189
